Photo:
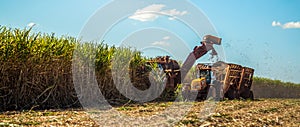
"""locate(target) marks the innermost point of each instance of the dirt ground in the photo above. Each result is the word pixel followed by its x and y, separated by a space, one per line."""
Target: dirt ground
pixel 262 112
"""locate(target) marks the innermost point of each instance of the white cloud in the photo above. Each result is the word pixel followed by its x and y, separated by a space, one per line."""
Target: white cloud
pixel 174 12
pixel 291 25
pixel 152 12
pixel 288 25
pixel 32 24
pixel 144 17
pixel 141 14
pixel 166 38
pixel 161 43
pixel 153 7
pixel 172 18
pixel 274 23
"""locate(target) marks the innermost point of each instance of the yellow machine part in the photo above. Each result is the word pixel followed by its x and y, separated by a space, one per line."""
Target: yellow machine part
pixel 198 84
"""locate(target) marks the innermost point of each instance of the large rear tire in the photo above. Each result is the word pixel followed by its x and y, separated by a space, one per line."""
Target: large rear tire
pixel 230 94
pixel 247 94
pixel 251 95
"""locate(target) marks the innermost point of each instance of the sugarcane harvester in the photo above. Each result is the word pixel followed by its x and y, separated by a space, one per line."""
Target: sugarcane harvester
pixel 175 74
pixel 231 81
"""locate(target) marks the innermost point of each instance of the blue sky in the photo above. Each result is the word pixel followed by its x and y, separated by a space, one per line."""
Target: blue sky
pixel 259 34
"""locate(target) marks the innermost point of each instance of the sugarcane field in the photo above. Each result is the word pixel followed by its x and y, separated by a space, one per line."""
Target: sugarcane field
pixel 149 63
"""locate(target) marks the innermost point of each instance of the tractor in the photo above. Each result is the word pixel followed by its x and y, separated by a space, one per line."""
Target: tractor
pixel 231 81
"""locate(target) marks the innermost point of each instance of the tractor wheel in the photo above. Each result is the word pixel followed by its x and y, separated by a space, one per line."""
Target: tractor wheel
pixel 236 94
pixel 202 96
pixel 230 94
pixel 247 94
pixel 251 95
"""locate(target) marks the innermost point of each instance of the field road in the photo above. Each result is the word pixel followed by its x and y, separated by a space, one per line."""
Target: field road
pixel 261 112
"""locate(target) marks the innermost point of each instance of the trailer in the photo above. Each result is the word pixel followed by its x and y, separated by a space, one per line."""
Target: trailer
pixel 225 80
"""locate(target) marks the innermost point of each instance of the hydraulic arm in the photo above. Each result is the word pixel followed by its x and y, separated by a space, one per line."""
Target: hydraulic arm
pixel 199 51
